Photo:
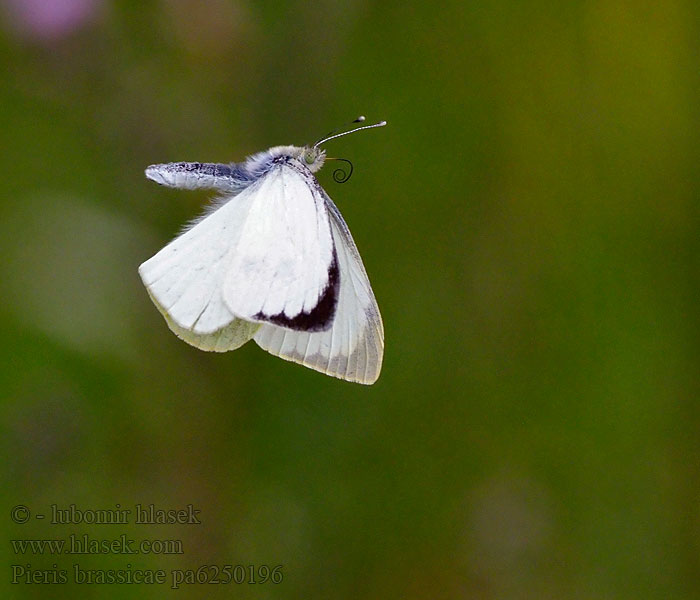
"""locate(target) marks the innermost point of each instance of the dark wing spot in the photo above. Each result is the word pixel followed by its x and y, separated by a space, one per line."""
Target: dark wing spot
pixel 321 316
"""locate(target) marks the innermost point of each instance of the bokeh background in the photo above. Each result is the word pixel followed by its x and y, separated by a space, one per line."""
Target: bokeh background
pixel 529 221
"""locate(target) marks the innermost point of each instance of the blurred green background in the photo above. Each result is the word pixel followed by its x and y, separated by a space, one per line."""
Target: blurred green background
pixel 529 222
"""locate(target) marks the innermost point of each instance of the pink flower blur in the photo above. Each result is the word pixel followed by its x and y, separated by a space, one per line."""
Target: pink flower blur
pixel 50 19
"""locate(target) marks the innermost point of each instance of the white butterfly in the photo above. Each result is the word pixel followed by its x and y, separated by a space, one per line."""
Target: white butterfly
pixel 272 260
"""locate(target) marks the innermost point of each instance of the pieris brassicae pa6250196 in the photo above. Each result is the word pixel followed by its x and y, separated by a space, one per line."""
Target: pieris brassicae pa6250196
pixel 271 260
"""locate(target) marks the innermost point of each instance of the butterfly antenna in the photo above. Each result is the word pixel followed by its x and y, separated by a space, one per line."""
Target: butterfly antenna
pixel 360 119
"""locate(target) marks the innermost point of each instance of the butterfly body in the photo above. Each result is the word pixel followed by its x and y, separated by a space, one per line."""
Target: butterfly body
pixel 271 260
pixel 234 177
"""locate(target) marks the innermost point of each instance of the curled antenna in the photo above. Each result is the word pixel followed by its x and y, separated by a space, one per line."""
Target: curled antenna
pixel 359 119
pixel 340 175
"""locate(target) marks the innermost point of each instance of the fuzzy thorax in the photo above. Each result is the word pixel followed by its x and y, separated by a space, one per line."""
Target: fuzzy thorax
pixel 312 158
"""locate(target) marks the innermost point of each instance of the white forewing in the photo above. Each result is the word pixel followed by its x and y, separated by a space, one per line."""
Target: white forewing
pixel 283 270
pixel 185 278
pixel 353 348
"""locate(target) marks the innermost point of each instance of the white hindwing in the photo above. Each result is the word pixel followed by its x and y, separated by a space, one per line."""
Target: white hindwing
pixel 282 269
pixel 354 346
pixel 185 278
pixel 229 337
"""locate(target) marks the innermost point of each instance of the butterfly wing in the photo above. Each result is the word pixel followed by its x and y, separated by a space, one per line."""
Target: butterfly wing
pixel 285 269
pixel 353 348
pixel 229 337
pixel 185 278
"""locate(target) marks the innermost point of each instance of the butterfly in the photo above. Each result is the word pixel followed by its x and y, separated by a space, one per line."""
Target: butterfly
pixel 271 260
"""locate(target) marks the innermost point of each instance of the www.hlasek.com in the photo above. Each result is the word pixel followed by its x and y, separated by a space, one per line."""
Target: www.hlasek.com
pixel 205 574
pixel 84 544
